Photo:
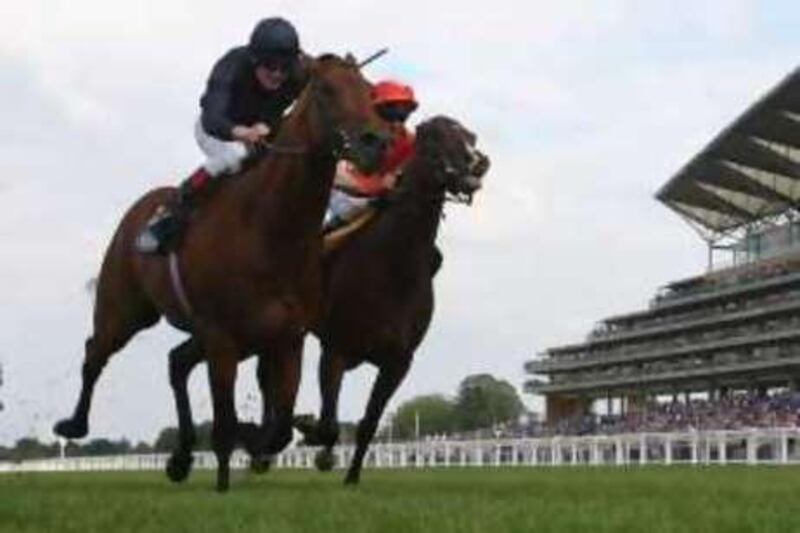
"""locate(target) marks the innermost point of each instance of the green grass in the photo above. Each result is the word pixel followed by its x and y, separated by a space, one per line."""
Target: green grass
pixel 544 499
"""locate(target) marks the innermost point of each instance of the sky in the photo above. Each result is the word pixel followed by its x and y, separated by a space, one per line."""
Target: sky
pixel 585 108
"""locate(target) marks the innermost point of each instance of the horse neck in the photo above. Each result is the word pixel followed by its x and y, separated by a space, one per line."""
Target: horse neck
pixel 417 211
pixel 289 192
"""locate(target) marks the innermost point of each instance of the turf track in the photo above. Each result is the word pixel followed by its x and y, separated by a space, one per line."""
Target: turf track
pixel 546 499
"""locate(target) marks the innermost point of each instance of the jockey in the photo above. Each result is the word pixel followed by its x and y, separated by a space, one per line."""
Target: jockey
pixel 354 191
pixel 247 93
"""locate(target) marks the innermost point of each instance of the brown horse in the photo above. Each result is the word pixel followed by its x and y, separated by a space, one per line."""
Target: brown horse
pixel 251 259
pixel 378 298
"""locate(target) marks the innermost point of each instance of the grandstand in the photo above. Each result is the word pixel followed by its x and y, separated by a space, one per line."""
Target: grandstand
pixel 714 343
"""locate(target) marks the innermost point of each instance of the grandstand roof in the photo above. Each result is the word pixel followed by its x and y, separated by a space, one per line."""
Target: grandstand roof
pixel 750 171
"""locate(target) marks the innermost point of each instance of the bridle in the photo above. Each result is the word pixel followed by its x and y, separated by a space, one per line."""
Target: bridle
pixel 338 141
pixel 444 171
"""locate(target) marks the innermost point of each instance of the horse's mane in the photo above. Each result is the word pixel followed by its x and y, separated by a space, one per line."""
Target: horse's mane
pixel 429 135
pixel 428 138
pixel 302 102
pixel 348 60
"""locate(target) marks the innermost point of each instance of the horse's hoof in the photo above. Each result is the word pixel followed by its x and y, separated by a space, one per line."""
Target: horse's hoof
pixel 179 467
pixel 260 464
pixel 324 460
pixel 279 441
pixel 69 428
pixel 223 485
pixel 352 479
pixel 307 426
pixel 251 439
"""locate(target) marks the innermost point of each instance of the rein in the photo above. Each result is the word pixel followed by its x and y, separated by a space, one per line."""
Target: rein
pixel 341 142
pixel 264 148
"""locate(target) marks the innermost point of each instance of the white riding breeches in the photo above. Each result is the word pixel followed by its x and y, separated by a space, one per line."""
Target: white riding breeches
pixel 344 207
pixel 224 157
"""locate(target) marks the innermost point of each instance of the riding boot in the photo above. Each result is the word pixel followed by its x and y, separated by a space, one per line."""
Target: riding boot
pixel 166 228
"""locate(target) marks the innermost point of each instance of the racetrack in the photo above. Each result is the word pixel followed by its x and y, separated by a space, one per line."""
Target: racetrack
pixel 653 499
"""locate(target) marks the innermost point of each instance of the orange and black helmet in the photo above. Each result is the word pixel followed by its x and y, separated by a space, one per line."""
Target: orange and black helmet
pixel 394 101
pixel 389 91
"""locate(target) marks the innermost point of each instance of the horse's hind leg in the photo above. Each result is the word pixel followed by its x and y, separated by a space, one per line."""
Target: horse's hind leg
pixel 389 378
pixel 182 360
pixel 116 319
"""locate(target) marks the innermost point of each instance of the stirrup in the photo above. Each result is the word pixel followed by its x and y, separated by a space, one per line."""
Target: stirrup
pixel 333 224
pixel 158 232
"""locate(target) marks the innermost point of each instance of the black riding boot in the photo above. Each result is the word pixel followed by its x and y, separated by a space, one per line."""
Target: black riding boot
pixel 165 230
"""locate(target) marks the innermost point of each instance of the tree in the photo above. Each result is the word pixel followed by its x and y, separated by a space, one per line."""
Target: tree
pixel 203 432
pixel 142 448
pixel 484 402
pixel 98 447
pixel 434 412
pixel 167 440
pixel 30 448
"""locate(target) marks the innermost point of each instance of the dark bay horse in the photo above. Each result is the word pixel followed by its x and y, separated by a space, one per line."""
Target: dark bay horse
pixel 378 291
pixel 250 258
pixel 378 297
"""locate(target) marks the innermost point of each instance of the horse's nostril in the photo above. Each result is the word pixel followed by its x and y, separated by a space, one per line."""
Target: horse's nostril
pixel 480 165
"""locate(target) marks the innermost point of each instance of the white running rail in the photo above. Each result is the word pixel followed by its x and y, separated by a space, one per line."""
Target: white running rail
pixel 775 446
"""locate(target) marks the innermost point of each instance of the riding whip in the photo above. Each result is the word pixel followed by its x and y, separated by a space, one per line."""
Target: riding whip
pixel 380 53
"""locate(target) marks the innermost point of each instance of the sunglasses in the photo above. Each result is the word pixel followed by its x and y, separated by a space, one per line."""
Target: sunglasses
pixel 394 112
pixel 276 63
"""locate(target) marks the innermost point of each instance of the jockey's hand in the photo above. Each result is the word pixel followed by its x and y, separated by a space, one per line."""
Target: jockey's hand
pixel 261 129
pixel 249 134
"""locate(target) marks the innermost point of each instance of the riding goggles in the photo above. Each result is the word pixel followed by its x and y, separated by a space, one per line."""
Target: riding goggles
pixel 394 112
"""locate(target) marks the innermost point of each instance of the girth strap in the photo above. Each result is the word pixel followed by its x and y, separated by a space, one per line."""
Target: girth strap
pixel 177 285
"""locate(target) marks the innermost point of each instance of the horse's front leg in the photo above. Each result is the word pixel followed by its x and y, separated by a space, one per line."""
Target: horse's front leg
pixel 326 432
pixel 389 378
pixel 267 400
pixel 182 360
pixel 254 437
pixel 223 359
pixel 284 378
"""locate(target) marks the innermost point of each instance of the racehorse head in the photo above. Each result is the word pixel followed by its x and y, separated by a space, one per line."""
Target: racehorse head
pixel 459 167
pixel 345 112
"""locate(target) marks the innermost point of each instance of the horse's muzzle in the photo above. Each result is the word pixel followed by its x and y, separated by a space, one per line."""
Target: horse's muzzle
pixel 478 167
pixel 480 164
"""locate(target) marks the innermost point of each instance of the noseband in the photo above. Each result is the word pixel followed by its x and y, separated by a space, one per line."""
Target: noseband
pixel 443 169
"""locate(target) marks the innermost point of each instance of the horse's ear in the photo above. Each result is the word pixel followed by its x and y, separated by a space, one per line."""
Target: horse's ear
pixel 312 66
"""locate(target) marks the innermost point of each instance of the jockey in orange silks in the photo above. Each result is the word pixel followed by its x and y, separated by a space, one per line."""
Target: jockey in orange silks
pixel 354 191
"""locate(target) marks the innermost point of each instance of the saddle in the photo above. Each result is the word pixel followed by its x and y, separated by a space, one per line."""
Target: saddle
pixel 336 238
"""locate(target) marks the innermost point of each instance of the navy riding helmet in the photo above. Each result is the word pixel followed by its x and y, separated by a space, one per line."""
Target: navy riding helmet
pixel 273 40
